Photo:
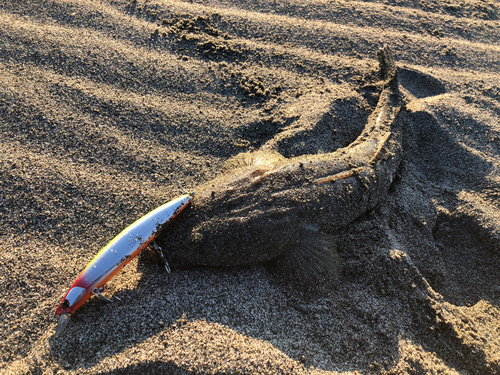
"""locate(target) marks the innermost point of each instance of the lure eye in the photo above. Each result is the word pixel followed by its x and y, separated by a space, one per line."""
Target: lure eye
pixel 73 296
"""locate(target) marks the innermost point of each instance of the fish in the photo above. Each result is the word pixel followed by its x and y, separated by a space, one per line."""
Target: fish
pixel 285 212
pixel 115 255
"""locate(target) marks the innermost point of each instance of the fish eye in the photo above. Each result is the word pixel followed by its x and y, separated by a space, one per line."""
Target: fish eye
pixel 73 296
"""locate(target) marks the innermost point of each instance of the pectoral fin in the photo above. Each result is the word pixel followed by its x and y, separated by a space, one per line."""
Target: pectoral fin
pixel 310 262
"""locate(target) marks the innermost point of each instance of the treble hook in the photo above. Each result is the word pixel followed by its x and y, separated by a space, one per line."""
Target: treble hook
pixel 159 251
pixel 97 292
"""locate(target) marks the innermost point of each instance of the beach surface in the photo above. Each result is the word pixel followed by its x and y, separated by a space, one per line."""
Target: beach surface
pixel 107 105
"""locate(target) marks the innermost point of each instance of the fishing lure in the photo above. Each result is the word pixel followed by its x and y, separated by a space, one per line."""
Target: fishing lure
pixel 115 255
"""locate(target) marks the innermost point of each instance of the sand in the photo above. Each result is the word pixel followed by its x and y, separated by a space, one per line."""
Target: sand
pixel 106 104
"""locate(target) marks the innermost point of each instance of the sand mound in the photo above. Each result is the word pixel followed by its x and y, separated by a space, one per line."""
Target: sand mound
pixel 106 104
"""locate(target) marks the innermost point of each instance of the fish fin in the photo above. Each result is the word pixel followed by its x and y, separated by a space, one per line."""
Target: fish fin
pixel 310 263
pixel 388 67
pixel 253 160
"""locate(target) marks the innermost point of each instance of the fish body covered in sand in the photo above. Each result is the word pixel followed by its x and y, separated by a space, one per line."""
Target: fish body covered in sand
pixel 283 211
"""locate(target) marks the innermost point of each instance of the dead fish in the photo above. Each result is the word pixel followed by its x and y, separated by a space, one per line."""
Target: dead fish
pixel 285 210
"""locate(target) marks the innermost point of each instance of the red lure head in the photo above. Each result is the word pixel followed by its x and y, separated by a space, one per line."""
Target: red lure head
pixel 73 299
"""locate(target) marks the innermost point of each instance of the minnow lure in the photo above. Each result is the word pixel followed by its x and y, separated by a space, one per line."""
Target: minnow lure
pixel 115 255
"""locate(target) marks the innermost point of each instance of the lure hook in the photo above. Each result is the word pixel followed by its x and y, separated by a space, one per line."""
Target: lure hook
pixel 160 252
pixel 97 292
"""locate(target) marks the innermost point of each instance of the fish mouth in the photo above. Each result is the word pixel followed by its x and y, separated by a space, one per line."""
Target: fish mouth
pixel 62 323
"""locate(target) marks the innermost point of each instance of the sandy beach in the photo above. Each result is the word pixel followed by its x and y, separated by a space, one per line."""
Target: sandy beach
pixel 107 105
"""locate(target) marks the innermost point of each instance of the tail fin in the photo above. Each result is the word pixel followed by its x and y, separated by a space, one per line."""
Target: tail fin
pixel 387 65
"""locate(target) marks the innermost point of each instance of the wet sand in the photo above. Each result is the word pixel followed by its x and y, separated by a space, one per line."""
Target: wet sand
pixel 105 105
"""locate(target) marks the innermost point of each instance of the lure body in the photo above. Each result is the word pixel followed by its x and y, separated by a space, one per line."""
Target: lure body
pixel 120 251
